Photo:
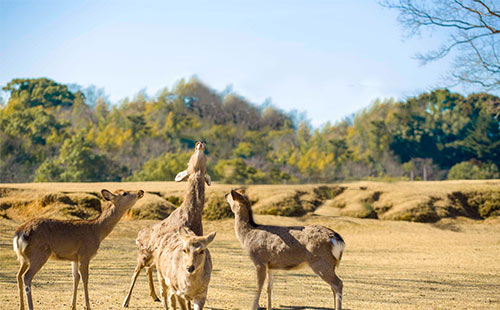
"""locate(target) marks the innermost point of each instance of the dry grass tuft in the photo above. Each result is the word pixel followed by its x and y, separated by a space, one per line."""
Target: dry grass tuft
pixel 151 207
pixel 216 207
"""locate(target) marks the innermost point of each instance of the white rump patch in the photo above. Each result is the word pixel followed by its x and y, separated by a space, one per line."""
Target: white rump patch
pixel 14 244
pixel 338 248
pixel 19 244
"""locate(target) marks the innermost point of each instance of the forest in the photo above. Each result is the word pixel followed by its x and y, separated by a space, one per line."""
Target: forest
pixel 53 132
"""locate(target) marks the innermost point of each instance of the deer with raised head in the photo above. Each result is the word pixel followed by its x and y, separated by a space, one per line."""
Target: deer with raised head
pixel 77 241
pixel 188 214
pixel 286 247
pixel 184 267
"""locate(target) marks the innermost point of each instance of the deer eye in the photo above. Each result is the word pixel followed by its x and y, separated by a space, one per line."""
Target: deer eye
pixel 184 250
pixel 124 194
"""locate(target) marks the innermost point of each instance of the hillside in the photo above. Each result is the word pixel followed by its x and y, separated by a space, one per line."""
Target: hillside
pixel 408 201
pixel 50 132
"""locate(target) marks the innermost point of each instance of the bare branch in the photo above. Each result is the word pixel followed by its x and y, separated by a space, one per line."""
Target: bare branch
pixel 473 27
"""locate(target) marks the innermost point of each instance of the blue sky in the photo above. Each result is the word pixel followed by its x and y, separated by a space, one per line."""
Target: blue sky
pixel 328 58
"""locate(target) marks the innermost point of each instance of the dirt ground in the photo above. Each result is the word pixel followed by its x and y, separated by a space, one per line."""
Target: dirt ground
pixel 453 264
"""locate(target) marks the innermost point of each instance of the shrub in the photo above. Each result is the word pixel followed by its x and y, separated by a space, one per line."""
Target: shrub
pixel 216 207
pixel 486 203
pixel 473 170
pixel 151 207
pixel 163 168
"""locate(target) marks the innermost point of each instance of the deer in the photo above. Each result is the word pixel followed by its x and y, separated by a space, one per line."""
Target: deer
pixel 77 241
pixel 286 247
pixel 184 267
pixel 188 214
pixel 197 162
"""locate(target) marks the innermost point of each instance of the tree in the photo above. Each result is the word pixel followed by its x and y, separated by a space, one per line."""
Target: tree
pixel 473 28
pixel 473 170
pixel 163 168
pixel 77 162
pixel 26 93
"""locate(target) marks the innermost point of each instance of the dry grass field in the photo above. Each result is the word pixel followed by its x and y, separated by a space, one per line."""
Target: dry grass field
pixel 450 264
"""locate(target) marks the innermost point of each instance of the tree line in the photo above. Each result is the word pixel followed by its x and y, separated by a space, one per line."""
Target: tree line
pixel 50 131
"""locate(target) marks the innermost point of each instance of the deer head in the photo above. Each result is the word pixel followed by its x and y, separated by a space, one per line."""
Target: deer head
pixel 122 199
pixel 194 250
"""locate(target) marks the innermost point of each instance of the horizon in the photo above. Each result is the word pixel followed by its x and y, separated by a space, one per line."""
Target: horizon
pixel 310 57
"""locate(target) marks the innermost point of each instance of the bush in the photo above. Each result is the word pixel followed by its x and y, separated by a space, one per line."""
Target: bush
pixel 486 203
pixel 163 168
pixel 473 170
pixel 151 207
pixel 216 208
pixel 236 171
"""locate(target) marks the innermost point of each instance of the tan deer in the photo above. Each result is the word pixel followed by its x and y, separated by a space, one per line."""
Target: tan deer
pixel 184 267
pixel 281 247
pixel 188 214
pixel 77 241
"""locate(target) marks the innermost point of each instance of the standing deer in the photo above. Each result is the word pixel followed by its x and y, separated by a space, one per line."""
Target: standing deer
pixel 74 240
pixel 184 267
pixel 188 214
pixel 282 247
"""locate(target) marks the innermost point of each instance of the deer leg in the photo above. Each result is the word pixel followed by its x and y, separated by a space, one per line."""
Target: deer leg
pixel 182 303
pixel 199 303
pixel 76 280
pixel 261 277
pixel 22 270
pixel 327 272
pixel 163 290
pixel 137 271
pixel 173 299
pixel 36 263
pixel 269 288
pixel 84 273
pixel 152 292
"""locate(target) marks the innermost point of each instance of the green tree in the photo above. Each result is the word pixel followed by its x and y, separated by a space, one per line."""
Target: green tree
pixel 163 168
pixel 473 170
pixel 77 162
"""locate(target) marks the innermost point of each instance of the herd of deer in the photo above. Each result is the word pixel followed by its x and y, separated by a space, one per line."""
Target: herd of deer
pixel 176 247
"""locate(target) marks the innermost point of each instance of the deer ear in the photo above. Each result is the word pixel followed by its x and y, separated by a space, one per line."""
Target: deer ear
pixel 236 195
pixel 181 176
pixel 183 233
pixel 210 237
pixel 107 195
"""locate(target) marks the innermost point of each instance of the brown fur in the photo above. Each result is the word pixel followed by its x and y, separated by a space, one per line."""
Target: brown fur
pixel 189 215
pixel 74 240
pixel 281 247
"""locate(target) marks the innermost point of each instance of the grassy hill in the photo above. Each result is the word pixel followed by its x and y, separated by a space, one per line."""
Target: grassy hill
pixel 407 201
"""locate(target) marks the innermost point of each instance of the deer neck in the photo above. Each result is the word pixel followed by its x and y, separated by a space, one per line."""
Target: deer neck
pixel 197 162
pixel 108 219
pixel 194 199
pixel 242 225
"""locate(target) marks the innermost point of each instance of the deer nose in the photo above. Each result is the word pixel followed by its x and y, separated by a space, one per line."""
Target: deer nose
pixel 140 194
pixel 190 269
